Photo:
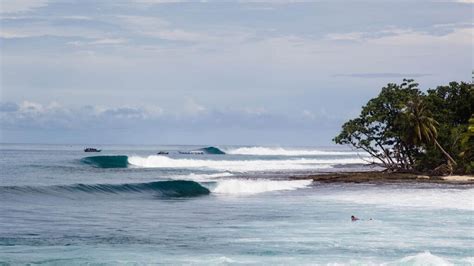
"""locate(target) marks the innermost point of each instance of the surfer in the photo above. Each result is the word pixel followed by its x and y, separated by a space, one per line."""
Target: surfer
pixel 355 219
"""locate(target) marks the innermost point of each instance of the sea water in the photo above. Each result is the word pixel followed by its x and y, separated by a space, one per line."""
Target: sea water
pixel 129 205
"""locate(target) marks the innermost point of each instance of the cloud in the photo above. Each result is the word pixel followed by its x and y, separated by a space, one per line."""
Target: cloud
pixel 28 114
pixel 157 1
pixel 461 35
pixel 160 28
pixel 383 75
pixel 109 41
pixel 6 107
pixel 191 107
pixel 17 6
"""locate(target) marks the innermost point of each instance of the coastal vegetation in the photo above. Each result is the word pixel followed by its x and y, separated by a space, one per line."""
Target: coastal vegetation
pixel 405 129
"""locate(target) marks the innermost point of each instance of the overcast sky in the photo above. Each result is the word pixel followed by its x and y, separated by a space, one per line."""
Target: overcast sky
pixel 248 72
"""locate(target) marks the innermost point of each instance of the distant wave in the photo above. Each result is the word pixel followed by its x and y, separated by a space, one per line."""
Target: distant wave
pixel 424 258
pixel 202 177
pixel 284 152
pixel 212 150
pixel 175 188
pixel 247 186
pixel 158 161
pixel 111 161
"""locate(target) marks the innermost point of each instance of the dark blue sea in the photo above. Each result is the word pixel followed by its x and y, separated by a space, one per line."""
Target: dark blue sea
pixel 192 206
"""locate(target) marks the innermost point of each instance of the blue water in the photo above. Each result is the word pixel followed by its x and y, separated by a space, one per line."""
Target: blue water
pixel 239 208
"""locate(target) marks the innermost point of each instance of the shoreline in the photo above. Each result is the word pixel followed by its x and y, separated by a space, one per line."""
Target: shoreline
pixel 379 177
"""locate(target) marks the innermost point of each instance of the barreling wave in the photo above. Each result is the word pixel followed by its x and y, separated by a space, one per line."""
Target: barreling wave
pixel 158 161
pixel 174 188
pixel 212 150
pixel 267 151
pixel 111 161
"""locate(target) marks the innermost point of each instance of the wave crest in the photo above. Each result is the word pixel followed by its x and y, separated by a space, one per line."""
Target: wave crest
pixel 424 258
pixel 267 151
pixel 174 188
pixel 158 161
pixel 111 161
pixel 247 186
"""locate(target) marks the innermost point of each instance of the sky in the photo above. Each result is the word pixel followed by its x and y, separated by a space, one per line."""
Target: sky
pixel 215 72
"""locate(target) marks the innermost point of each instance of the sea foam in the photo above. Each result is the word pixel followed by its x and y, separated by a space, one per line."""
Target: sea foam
pixel 276 151
pixel 158 161
pixel 432 198
pixel 424 258
pixel 247 186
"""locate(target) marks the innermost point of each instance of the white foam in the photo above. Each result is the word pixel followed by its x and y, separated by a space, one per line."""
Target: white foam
pixel 425 198
pixel 201 177
pixel 247 186
pixel 158 161
pixel 267 151
pixel 424 258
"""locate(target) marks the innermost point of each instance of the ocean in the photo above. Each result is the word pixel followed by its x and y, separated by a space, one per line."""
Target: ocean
pixel 129 205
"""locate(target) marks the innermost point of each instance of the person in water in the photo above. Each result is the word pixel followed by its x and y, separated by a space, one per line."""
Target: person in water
pixel 354 219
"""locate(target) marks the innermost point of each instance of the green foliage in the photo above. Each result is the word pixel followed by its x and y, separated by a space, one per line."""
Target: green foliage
pixel 377 129
pixel 406 129
pixel 467 147
pixel 452 106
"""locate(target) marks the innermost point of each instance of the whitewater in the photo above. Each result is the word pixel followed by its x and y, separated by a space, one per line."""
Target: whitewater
pixel 221 205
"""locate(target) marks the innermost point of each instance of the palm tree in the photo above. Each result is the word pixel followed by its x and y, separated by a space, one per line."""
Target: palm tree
pixel 422 126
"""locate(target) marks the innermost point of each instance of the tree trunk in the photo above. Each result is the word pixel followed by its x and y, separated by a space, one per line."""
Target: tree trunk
pixel 444 152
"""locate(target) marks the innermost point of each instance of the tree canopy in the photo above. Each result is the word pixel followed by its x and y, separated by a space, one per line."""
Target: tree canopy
pixel 406 129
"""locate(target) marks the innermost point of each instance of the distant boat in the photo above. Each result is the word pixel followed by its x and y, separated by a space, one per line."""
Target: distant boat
pixel 162 152
pixel 192 152
pixel 91 150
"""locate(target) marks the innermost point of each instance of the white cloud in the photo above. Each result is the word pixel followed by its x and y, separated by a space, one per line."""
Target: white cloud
pixel 351 36
pixel 16 6
pixel 40 29
pixel 308 114
pixel 109 41
pixel 157 1
pixel 157 27
pixel 256 111
pixel 31 107
pixel 178 35
pixel 460 36
pixel 191 107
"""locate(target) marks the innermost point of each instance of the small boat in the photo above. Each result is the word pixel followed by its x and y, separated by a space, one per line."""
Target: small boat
pixel 191 152
pixel 91 150
pixel 163 153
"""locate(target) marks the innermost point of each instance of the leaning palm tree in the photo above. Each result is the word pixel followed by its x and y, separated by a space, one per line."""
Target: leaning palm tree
pixel 422 125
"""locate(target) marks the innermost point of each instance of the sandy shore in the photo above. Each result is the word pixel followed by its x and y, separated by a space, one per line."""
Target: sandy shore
pixel 459 178
pixel 383 177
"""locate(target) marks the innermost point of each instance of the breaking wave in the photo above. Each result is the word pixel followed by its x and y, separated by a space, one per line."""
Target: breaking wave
pixel 175 188
pixel 111 161
pixel 158 161
pixel 246 186
pixel 212 150
pixel 424 258
pixel 285 152
pixel 201 177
